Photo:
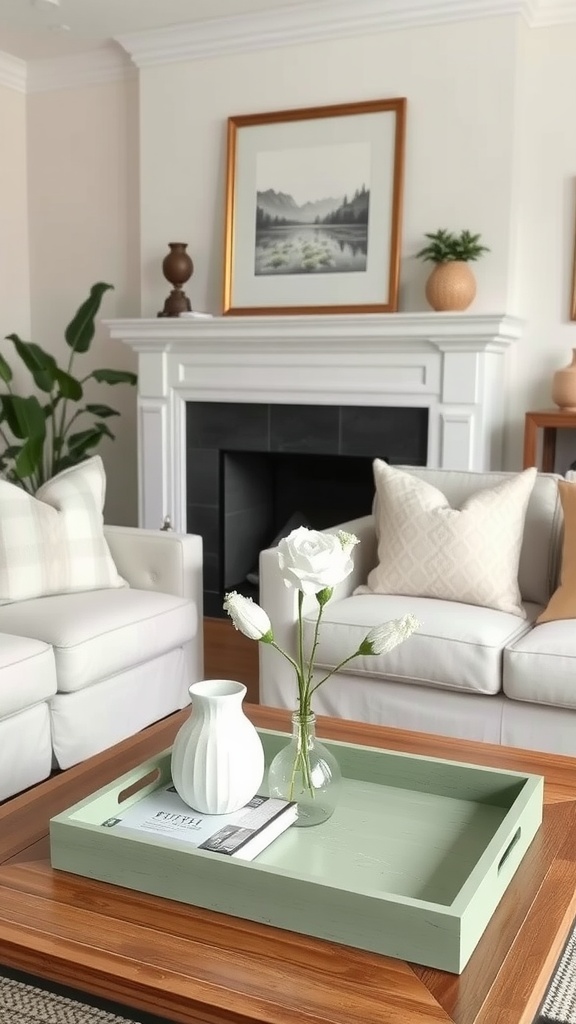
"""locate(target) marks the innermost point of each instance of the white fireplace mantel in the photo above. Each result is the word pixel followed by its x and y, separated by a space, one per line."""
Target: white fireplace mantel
pixel 450 363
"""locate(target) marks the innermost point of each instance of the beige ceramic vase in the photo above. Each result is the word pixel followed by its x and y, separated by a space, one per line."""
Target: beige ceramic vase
pixel 564 385
pixel 451 286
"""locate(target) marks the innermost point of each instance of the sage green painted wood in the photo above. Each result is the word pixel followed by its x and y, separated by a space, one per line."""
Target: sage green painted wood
pixel 410 865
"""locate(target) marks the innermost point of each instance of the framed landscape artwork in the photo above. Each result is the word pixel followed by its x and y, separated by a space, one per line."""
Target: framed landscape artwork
pixel 313 209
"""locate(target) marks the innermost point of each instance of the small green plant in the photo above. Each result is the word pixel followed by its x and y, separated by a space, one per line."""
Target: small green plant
pixel 41 441
pixel 445 247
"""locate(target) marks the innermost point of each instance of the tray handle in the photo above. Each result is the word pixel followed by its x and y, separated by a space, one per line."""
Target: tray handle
pixel 512 843
pixel 150 779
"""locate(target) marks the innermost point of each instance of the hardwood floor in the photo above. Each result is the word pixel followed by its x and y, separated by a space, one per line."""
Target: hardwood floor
pixel 228 654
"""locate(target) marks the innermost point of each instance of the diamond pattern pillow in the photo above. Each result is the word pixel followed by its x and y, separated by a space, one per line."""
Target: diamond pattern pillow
pixel 53 542
pixel 428 549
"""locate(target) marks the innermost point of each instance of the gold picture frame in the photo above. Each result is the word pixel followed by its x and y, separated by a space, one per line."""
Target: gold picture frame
pixel 314 209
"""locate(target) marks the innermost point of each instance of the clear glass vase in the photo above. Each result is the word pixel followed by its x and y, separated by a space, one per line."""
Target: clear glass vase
pixel 306 771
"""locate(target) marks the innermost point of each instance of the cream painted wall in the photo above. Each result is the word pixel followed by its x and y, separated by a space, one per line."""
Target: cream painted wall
pixel 84 210
pixel 546 222
pixel 489 147
pixel 114 176
pixel 460 84
pixel 14 255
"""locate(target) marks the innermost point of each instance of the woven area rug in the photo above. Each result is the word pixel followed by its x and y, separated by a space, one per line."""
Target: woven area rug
pixel 559 1005
pixel 25 1000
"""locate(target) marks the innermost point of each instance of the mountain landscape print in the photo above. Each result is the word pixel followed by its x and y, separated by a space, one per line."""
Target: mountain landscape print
pixel 312 210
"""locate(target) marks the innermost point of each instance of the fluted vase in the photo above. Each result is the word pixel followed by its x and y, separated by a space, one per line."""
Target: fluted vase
pixel 217 756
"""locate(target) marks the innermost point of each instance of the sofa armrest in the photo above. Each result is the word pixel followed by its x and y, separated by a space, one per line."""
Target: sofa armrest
pixel 170 563
pixel 280 603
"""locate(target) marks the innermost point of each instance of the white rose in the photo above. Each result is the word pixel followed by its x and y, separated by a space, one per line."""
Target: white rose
pixel 388 635
pixel 311 561
pixel 248 617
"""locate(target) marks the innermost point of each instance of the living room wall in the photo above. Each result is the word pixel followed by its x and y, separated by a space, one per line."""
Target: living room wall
pixel 487 148
pixel 460 85
pixel 84 216
pixel 114 175
pixel 544 225
pixel 14 253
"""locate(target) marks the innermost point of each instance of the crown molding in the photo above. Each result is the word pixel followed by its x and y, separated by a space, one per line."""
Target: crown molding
pixel 321 20
pixel 12 72
pixel 552 12
pixel 316 21
pixel 95 67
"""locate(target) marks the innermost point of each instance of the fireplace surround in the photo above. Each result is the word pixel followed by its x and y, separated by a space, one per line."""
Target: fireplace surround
pixel 451 365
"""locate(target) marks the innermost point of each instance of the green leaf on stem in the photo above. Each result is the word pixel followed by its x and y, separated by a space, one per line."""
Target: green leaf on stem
pixel 114 376
pixel 5 371
pixel 81 329
pixel 69 386
pixel 42 366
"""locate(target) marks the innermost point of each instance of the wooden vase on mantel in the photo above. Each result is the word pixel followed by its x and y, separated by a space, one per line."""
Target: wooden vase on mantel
pixel 177 268
pixel 564 385
pixel 451 286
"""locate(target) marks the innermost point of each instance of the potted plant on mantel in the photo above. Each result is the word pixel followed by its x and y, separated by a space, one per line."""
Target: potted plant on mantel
pixel 451 285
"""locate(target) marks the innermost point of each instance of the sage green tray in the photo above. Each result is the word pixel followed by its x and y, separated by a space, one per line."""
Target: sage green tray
pixel 412 864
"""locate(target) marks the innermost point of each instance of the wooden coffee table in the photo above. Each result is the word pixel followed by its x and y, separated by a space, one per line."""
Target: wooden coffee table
pixel 193 965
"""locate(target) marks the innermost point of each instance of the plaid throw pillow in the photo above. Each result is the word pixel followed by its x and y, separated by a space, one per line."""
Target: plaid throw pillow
pixel 53 542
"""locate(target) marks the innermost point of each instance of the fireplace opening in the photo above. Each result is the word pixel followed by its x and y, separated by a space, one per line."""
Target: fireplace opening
pixel 255 471
pixel 266 496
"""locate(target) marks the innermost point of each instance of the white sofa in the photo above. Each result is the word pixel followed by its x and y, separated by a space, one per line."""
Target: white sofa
pixel 82 671
pixel 469 671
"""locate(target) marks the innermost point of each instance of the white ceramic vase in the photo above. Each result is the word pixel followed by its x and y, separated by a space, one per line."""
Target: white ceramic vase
pixel 217 756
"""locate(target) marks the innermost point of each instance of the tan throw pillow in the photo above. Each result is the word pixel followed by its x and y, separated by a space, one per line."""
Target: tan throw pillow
pixel 428 549
pixel 562 604
pixel 53 542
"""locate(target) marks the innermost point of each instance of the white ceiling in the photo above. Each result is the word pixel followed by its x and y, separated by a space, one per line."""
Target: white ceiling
pixel 30 29
pixel 34 29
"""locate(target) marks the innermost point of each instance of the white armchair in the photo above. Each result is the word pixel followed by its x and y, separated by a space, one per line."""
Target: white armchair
pixel 82 671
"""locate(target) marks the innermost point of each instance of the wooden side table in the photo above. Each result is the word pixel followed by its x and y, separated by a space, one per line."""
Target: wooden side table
pixel 551 421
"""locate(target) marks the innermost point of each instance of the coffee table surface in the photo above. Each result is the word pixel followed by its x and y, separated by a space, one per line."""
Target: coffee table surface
pixel 193 965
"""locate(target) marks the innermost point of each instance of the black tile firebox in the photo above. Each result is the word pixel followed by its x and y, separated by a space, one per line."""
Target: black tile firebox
pixel 251 468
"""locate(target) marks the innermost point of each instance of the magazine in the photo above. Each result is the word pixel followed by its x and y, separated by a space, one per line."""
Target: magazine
pixel 242 834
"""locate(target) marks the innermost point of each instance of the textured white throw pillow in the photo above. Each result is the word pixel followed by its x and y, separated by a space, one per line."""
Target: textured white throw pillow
pixel 53 542
pixel 428 549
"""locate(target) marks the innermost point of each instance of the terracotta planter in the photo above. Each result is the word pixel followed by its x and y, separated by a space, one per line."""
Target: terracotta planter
pixel 564 385
pixel 451 286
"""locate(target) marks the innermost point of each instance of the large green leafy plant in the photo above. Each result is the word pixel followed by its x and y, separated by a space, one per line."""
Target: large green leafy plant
pixel 38 431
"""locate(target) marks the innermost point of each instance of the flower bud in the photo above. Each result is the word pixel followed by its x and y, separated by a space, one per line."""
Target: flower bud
pixel 388 635
pixel 347 540
pixel 248 617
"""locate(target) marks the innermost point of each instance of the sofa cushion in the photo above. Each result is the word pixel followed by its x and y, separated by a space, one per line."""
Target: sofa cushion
pixel 457 647
pixel 541 546
pixel 27 673
pixel 540 667
pixel 426 548
pixel 99 633
pixel 53 542
pixel 562 604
